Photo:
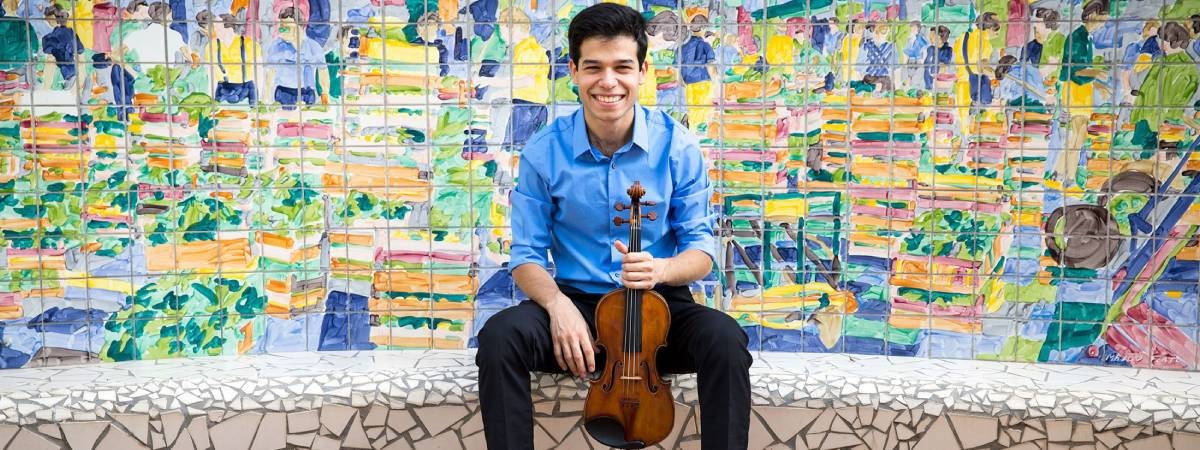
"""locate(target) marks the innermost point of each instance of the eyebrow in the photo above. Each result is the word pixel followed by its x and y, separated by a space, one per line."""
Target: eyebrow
pixel 593 61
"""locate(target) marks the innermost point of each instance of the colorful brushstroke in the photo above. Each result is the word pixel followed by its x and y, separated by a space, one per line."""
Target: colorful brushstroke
pixel 979 180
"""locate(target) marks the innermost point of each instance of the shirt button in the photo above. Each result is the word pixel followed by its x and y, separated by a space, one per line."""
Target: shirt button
pixel 614 164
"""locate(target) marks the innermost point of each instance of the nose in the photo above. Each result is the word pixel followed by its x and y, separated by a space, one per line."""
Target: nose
pixel 608 80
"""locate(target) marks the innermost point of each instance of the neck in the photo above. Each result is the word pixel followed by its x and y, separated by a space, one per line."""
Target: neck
pixel 608 137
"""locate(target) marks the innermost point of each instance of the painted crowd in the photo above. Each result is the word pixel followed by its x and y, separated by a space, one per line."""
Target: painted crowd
pixel 1006 180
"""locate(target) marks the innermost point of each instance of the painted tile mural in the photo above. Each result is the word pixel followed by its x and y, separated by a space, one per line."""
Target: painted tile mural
pixel 1004 180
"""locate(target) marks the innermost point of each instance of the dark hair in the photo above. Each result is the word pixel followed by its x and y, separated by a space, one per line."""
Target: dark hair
pixel 1175 35
pixel 204 19
pixel 1050 16
pixel 234 22
pixel 988 20
pixel 1196 23
pixel 1094 7
pixel 133 5
pixel 160 12
pixel 56 12
pixel 1004 66
pixel 666 24
pixel 607 21
pixel 289 13
pixel 944 33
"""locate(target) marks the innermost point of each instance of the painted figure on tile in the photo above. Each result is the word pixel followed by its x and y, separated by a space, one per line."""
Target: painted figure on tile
pixel 530 78
pixel 295 58
pixel 237 58
pixel 62 45
pixel 1138 56
pixel 696 57
pixel 155 45
pixel 20 43
pixel 849 45
pixel 1045 48
pixel 913 56
pixel 1021 85
pixel 939 55
pixel 1170 86
pixel 811 65
pixel 1078 79
pixel 878 57
pixel 662 87
pixel 973 57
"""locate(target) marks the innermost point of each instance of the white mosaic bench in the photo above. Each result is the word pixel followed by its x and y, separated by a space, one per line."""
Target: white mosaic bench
pixel 427 399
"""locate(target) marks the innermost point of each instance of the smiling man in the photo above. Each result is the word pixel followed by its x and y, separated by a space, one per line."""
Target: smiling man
pixel 572 174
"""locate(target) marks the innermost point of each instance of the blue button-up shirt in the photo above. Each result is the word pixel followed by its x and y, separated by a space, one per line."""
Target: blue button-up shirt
pixel 566 191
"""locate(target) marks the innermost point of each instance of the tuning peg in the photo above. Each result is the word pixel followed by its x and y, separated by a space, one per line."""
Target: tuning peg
pixel 653 215
pixel 619 221
pixel 621 206
pixel 649 203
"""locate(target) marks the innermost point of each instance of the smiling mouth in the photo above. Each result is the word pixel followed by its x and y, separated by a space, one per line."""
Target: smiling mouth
pixel 609 99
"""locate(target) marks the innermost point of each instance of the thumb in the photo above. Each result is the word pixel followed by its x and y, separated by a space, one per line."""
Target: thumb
pixel 620 246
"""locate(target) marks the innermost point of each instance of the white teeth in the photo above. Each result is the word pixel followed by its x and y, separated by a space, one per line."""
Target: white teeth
pixel 609 98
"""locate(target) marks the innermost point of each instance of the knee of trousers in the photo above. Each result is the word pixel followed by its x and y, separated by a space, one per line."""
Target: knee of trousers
pixel 499 341
pixel 726 343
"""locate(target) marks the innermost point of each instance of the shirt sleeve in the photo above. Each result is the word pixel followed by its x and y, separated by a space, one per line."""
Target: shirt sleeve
pixel 691 216
pixel 531 211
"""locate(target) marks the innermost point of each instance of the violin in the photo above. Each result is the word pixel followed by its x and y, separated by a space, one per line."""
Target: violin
pixel 629 405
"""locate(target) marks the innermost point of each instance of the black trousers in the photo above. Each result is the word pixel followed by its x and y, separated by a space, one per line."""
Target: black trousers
pixel 701 340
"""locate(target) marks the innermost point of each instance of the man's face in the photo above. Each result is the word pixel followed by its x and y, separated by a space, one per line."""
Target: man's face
pixel 223 33
pixel 800 35
pixel 608 75
pixel 289 30
pixel 142 12
pixel 1095 21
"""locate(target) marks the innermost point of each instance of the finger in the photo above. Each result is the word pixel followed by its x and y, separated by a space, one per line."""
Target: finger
pixel 620 246
pixel 576 360
pixel 558 354
pixel 589 356
pixel 641 266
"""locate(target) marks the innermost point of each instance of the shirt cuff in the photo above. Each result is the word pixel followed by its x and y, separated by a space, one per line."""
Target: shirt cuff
pixel 527 255
pixel 704 242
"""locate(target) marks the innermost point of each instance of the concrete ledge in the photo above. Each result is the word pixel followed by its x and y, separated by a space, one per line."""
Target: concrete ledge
pixel 406 399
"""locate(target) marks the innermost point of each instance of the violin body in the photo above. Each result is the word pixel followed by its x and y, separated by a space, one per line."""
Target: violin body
pixel 629 405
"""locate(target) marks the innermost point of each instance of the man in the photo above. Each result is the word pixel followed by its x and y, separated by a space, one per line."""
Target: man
pixel 1078 77
pixel 63 44
pixel 878 57
pixel 973 56
pixel 236 57
pixel 1021 85
pixel 1169 86
pixel 696 57
pixel 156 45
pixel 572 173
pixel 939 56
pixel 295 58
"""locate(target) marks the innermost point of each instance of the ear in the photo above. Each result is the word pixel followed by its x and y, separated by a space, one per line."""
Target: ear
pixel 574 70
pixel 645 71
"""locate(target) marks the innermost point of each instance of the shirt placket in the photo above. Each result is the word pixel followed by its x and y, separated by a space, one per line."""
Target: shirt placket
pixel 614 194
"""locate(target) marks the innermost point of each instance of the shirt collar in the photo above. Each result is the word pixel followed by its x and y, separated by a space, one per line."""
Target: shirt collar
pixel 584 145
